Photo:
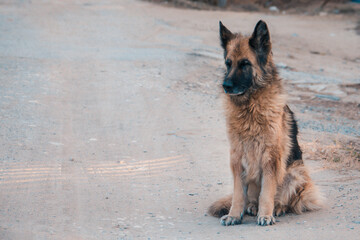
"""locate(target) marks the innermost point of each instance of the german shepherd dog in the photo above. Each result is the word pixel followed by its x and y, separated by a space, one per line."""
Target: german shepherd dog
pixel 265 158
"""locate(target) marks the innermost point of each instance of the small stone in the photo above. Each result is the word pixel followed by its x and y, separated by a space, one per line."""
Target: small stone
pixel 273 9
pixel 192 194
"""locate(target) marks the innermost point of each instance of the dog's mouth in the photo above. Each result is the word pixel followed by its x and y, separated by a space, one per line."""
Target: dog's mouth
pixel 237 92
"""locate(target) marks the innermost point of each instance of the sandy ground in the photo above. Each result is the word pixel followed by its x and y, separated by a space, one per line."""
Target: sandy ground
pixel 112 127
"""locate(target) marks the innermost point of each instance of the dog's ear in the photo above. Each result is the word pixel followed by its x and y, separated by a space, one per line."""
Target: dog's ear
pixel 260 41
pixel 225 35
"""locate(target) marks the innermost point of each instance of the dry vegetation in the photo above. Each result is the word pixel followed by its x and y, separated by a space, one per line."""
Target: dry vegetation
pixel 337 155
pixel 254 5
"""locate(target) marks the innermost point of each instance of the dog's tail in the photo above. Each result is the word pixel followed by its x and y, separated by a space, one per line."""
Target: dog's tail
pixel 221 207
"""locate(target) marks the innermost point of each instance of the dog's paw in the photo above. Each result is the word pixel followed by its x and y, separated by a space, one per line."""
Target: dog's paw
pixel 279 210
pixel 251 209
pixel 231 220
pixel 265 220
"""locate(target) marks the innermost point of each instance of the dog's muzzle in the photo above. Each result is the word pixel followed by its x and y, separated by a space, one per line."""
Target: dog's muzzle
pixel 231 90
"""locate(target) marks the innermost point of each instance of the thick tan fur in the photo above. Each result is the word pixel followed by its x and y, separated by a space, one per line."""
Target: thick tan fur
pixel 258 127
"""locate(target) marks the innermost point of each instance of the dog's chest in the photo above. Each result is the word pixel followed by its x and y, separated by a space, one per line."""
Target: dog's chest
pixel 251 160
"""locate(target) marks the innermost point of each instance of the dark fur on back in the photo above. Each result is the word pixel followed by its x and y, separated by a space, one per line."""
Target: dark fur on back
pixel 295 151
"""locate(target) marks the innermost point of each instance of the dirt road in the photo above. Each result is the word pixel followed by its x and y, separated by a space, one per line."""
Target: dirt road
pixel 111 120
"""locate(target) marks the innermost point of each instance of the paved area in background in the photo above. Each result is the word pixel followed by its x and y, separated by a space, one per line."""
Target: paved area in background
pixel 111 120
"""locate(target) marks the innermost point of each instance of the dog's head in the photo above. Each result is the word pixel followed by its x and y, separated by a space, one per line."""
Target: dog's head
pixel 248 61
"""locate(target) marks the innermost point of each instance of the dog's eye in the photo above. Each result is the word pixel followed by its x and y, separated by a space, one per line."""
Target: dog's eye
pixel 228 62
pixel 243 63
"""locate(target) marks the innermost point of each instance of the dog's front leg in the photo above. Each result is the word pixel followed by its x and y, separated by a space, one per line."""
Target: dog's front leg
pixel 267 196
pixel 237 206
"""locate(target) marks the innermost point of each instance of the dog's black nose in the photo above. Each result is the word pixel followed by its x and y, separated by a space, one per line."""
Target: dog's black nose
pixel 228 86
